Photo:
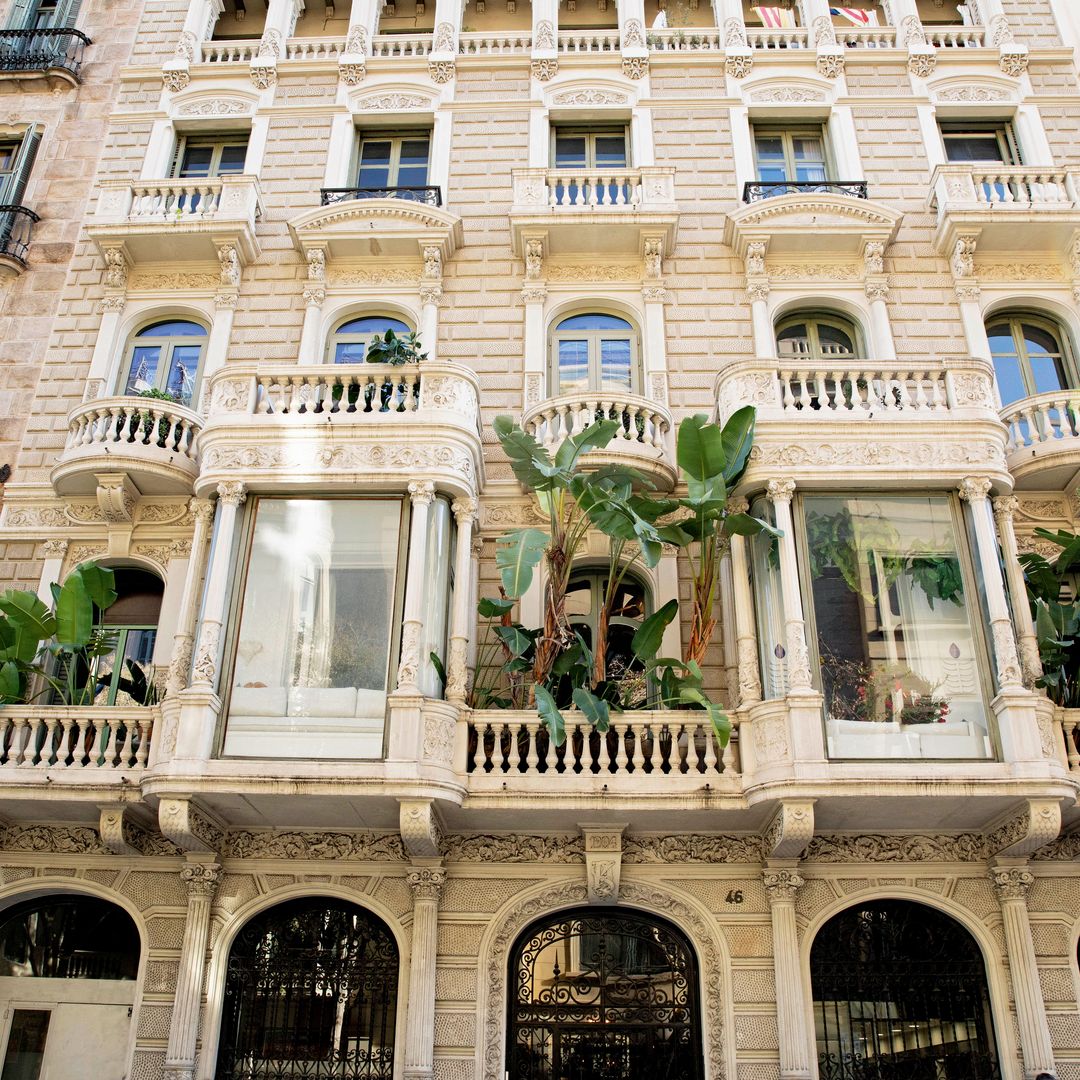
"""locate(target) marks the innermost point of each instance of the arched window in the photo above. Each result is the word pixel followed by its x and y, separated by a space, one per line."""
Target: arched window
pixel 1030 356
pixel 311 990
pixel 349 342
pixel 595 352
pixel 166 357
pixel 900 991
pixel 585 612
pixel 124 675
pixel 603 993
pixel 816 337
pixel 68 937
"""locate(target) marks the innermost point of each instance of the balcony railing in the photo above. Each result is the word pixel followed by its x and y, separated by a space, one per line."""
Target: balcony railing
pixel 686 39
pixel 956 37
pixel 177 202
pixel 508 43
pixel 49 49
pixel 756 190
pixel 97 738
pixel 766 38
pixel 642 422
pixel 868 37
pixel 401 45
pixel 15 226
pixel 1045 422
pixel 858 391
pixel 1005 187
pixel 429 196
pixel 229 52
pixel 589 41
pixel 614 189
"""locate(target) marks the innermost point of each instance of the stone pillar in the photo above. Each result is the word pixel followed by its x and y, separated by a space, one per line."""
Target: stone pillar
pixel 421 494
pixel 782 882
pixel 545 37
pixel 363 25
pixel 203 512
pixel 281 16
pixel 876 285
pixel 830 53
pixel 635 51
pixel 51 567
pixel 311 345
pixel 757 289
pixel 444 43
pixel 745 628
pixel 474 599
pixel 462 618
pixel 201 879
pixel 198 27
pixel 798 655
pixel 1012 882
pixel 922 56
pixel 430 297
pixel 426 883
pixel 726 587
pixel 534 295
pixel 974 490
pixel 1030 663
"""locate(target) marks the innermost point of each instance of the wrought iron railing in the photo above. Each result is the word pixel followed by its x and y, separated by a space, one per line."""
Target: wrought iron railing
pixel 42 50
pixel 756 190
pixel 430 196
pixel 15 223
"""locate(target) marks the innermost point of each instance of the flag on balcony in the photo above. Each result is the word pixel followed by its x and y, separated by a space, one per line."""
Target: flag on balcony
pixel 776 18
pixel 856 15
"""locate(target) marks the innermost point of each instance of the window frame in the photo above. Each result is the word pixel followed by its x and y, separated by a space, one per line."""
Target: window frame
pixel 787 133
pixel 591 132
pixel 1016 319
pixel 395 136
pixel 595 360
pixel 813 319
pixel 118 655
pixel 335 337
pixel 167 343
pixel 218 141
pixel 1008 143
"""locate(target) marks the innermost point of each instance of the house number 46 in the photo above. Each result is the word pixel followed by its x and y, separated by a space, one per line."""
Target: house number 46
pixel 735 896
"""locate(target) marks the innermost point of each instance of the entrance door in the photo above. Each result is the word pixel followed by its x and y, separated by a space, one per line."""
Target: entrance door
pixel 66 1041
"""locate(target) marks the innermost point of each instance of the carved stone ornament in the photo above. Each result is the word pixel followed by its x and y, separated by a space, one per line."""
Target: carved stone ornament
pixel 789 832
pixel 781 885
pixel 690 847
pixel 922 64
pixel 409 663
pixel 188 827
pixel 757 291
pixel 55 549
pixel 972 93
pixel 877 290
pixel 1013 64
pixel 787 95
pixel 544 68
pixel 960 847
pixel 352 73
pixel 358 847
pixel 830 65
pixel 426 883
pixel 738 65
pixel 1012 882
pixel 420 830
pixel 635 67
pixel 214 107
pixel 175 79
pixel 430 294
pixel 1035 826
pixel 117 498
pixel 534 259
pixel 441 71
pixel 1064 847
pixel 633 36
pixel 123 836
pixel 755 258
pixel 823 31
pixel 457 672
pixel 356 41
pixel 52 839
pixel 201 879
pixel 590 97
pixel 263 76
pixel 654 253
pixel 116 268
pixel 513 848
pixel 603 862
pixel 229 261
pixel 394 102
pixel 911 31
pixel 231 492
pixel 544 38
pixel 963 260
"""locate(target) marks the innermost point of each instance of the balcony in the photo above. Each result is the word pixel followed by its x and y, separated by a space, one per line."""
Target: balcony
pixel 178 220
pixel 599 212
pixel 153 442
pixel 816 418
pixel 51 54
pixel 15 225
pixel 340 426
pixel 644 440
pixel 1006 209
pixel 1043 450
pixel 429 196
pixel 756 190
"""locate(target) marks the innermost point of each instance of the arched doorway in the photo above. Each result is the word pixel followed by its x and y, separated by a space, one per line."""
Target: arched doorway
pixel 900 993
pixel 603 994
pixel 310 990
pixel 68 965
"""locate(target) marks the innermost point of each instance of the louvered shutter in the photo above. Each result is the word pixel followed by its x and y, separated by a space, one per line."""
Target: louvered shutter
pixel 15 183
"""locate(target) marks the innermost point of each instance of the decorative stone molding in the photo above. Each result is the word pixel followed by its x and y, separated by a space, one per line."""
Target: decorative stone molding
pixel 117 498
pixel 201 878
pixel 823 32
pixel 175 79
pixel 603 862
pixel 292 845
pixel 757 291
pixel 352 73
pixel 1012 882
pixel 188 827
pixel 963 260
pixel 739 65
pixel 787 95
pixel 232 492
pixel 229 262
pixel 756 251
pixel 590 97
pixel 215 107
pixel 1064 847
pixel 55 549
pixel 790 831
pixel 534 258
pixel 426 882
pixel 53 839
pixel 544 38
pixel 633 36
pixel 421 833
pixel 441 71
pixel 840 848
pixel 545 68
pixel 635 67
pixel 922 64
pixel 513 848
pixel 263 76
pixel 691 847
pixel 116 268
pixel 123 836
pixel 781 884
pixel 1037 824
pixel 830 65
pixel 356 42
pixel 653 258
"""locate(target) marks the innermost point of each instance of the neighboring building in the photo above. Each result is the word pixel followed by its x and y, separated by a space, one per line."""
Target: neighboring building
pixel 310 860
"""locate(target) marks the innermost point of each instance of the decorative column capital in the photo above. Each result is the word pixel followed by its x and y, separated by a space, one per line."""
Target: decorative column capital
pixel 201 510
pixel 1005 506
pixel 55 549
pixel 738 504
pixel 231 492
pixel 421 492
pixel 465 510
pixel 781 490
pixel 974 489
pixel 426 882
pixel 534 258
pixel 781 885
pixel 757 291
pixel 1012 882
pixel 201 879
pixel 430 293
pixel 755 257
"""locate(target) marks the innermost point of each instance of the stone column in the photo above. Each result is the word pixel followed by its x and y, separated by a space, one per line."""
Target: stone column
pixel 314 297
pixel 462 617
pixel 798 655
pixel 635 51
pixel 830 54
pixel 430 297
pixel 477 548
pixel 782 882
pixel 1030 664
pixel 363 26
pixel 974 490
pixel 1012 882
pixel 725 584
pixel 203 512
pixel 444 43
pixel 201 879
pixel 876 285
pixel 426 883
pixel 757 289
pixel 281 16
pixel 198 27
pixel 51 567
pixel 745 628
pixel 545 37
pixel 421 494
pixel 534 295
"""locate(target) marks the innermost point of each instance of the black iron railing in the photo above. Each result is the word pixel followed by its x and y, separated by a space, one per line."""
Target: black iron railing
pixel 42 50
pixel 15 223
pixel 430 196
pixel 756 190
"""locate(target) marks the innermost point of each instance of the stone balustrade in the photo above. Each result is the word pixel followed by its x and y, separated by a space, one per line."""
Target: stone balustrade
pixel 91 738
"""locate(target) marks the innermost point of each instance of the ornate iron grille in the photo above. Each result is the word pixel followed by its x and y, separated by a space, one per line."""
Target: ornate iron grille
pixel 603 995
pixel 311 992
pixel 756 190
pixel 900 993
pixel 42 50
pixel 15 222
pixel 430 196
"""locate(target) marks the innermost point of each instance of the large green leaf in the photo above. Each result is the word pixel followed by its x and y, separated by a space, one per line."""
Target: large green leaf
pixel 515 639
pixel 74 613
pixel 494 607
pixel 720 723
pixel 737 437
pixel 517 554
pixel 31 620
pixel 650 634
pixel 699 448
pixel 616 517
pixel 100 584
pixel 597 712
pixel 595 437
pixel 530 461
pixel 549 713
pixel 745 525
pixel 10 683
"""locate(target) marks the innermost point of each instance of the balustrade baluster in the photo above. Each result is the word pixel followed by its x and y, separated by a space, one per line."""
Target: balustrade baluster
pixel 96 755
pixel 620 757
pixel 533 760
pixel 20 739
pixel 514 755
pixel 787 393
pixel 30 746
pixel 1072 752
pixel 603 754
pixel 710 747
pixel 630 431
pixel 803 378
pixel 579 184
pixel 146 733
pixel 45 755
pixel 637 758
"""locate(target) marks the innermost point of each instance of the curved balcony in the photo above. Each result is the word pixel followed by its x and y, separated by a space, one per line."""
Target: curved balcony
pixel 1044 440
pixel 15 225
pixel 644 441
pixel 49 52
pixel 153 442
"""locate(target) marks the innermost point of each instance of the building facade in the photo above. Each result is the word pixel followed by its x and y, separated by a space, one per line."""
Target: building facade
pixel 283 841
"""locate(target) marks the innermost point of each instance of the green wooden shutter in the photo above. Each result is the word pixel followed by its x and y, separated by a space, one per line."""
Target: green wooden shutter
pixel 24 164
pixel 22 13
pixel 67 11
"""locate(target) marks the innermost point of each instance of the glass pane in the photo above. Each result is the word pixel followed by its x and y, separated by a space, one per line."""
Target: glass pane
pixel 374 164
pixel 615 370
pixel 7 156
pixel 413 166
pixel 143 373
pixel 579 599
pixel 794 340
pixel 196 161
pixel 770 155
pixel 316 630
pixel 1039 341
pixel 834 341
pixel 232 159
pixel 807 149
pixel 133 687
pixel 1009 377
pixel 899 660
pixel 103 669
pixel 810 174
pixel 1047 373
pixel 373 324
pixel 350 352
pixel 26 1044
pixel 183 369
pixel 611 151
pixel 973 147
pixel 570 151
pixel 573 366
pixel 179 328
pixel 768 606
pixel 594 321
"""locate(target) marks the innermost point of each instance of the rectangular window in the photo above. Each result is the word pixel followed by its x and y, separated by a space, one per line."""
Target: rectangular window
pixel 204 157
pixel 890 603
pixel 993 143
pixel 591 148
pixel 312 656
pixel 386 161
pixel 790 155
pixel 26 1044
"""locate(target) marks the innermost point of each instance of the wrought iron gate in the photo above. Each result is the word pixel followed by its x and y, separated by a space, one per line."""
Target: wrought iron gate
pixel 900 993
pixel 311 992
pixel 603 995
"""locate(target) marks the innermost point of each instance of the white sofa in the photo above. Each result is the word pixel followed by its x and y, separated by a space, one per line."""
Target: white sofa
pixel 865 739
pixel 305 722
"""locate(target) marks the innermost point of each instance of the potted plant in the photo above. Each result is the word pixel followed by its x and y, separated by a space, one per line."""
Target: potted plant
pixel 396 351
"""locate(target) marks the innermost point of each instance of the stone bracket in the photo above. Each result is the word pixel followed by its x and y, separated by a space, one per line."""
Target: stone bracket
pixel 115 827
pixel 421 830
pixel 189 827
pixel 790 831
pixel 1036 825
pixel 603 861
